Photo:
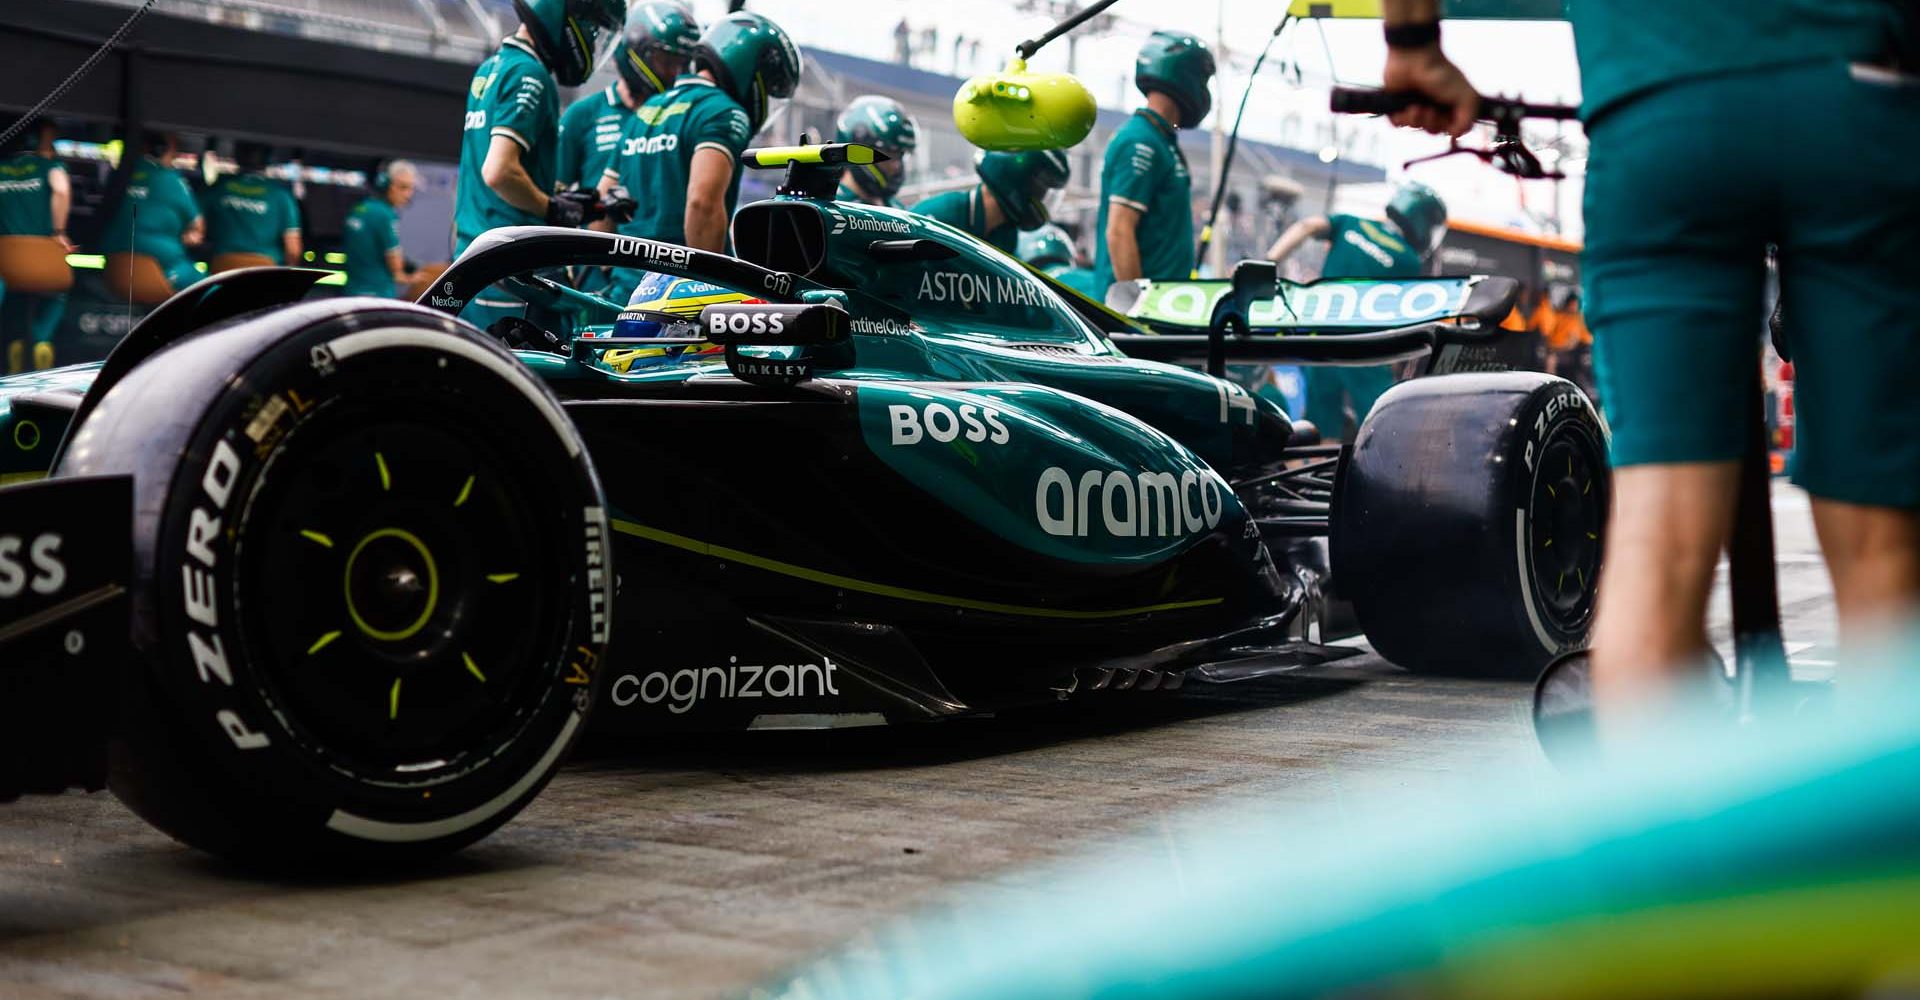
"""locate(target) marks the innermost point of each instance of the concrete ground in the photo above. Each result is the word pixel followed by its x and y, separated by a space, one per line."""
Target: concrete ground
pixel 697 870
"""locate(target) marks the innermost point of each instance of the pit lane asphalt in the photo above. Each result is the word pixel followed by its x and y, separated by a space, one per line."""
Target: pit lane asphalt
pixel 701 868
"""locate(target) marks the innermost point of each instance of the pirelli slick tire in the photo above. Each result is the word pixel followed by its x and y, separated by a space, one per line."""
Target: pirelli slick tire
pixel 1467 525
pixel 369 587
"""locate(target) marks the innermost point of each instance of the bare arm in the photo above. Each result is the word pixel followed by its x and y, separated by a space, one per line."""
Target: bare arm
pixel 707 179
pixel 397 263
pixel 291 244
pixel 1123 240
pixel 1300 232
pixel 195 233
pixel 508 178
pixel 62 190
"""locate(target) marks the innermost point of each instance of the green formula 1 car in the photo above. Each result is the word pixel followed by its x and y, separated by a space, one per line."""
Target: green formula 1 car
pixel 349 569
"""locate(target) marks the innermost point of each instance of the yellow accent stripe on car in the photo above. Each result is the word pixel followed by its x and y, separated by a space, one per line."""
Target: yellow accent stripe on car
pixel 698 547
pixel 20 477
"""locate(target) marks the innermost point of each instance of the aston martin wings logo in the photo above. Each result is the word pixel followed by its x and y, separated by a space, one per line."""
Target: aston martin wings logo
pixel 839 221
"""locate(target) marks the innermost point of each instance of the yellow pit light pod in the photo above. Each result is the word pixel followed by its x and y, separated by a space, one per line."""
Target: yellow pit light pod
pixel 1014 109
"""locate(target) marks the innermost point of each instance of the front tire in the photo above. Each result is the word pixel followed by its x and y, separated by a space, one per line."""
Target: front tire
pixel 369 584
pixel 1468 527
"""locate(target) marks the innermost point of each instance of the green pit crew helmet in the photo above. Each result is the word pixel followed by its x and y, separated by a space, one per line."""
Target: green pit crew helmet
pixel 752 59
pixel 1021 182
pixel 1420 216
pixel 880 122
pixel 656 27
pixel 572 36
pixel 1045 247
pixel 1181 66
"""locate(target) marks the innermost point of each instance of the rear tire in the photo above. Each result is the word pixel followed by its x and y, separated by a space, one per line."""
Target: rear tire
pixel 1468 527
pixel 369 588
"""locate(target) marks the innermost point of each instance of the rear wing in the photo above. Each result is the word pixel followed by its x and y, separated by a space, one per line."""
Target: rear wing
pixel 1255 317
pixel 1330 305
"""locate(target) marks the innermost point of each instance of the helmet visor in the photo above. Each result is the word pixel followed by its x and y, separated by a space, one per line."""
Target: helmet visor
pixel 884 178
pixel 595 39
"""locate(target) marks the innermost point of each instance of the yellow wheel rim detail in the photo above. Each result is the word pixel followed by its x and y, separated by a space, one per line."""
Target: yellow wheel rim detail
pixel 433 586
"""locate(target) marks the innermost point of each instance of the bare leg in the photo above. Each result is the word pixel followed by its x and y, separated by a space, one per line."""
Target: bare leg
pixel 1873 555
pixel 1664 537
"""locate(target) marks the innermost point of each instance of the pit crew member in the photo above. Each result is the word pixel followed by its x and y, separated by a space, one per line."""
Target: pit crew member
pixel 1051 250
pixel 1715 129
pixel 653 51
pixel 1358 247
pixel 1145 224
pixel 158 216
pixel 510 139
pixel 250 215
pixel 375 264
pixel 681 148
pixel 35 196
pixel 880 122
pixel 1011 196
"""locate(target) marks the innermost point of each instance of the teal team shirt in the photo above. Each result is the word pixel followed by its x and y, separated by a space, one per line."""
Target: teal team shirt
pixel 249 213
pixel 511 95
pixel 158 207
pixel 372 230
pixel 1630 46
pixel 26 195
pixel 657 147
pixel 1367 248
pixel 1358 248
pixel 1144 170
pixel 590 132
pixel 966 211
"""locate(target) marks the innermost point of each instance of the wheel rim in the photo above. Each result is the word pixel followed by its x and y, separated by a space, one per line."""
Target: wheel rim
pixel 398 622
pixel 1567 517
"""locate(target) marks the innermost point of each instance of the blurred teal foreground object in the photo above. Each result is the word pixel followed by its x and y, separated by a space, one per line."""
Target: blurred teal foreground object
pixel 1718 861
pixel 1014 109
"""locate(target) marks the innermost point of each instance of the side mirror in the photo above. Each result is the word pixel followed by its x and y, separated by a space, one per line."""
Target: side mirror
pixel 768 325
pixel 1014 109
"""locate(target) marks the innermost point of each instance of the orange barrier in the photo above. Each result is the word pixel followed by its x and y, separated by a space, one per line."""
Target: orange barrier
pixel 137 278
pixel 235 261
pixel 36 265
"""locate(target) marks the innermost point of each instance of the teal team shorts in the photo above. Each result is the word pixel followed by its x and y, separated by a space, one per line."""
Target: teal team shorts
pixel 1685 187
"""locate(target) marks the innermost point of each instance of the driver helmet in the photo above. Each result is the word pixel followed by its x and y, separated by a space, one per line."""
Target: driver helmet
pixel 660 37
pixel 1023 182
pixel 1046 247
pixel 664 305
pixel 753 60
pixel 1420 216
pixel 572 36
pixel 1181 66
pixel 882 123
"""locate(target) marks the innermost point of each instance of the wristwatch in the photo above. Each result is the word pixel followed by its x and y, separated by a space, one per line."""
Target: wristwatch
pixel 1413 36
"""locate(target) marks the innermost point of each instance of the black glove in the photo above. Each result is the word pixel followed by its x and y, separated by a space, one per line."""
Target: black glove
pixel 570 208
pixel 519 333
pixel 617 205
